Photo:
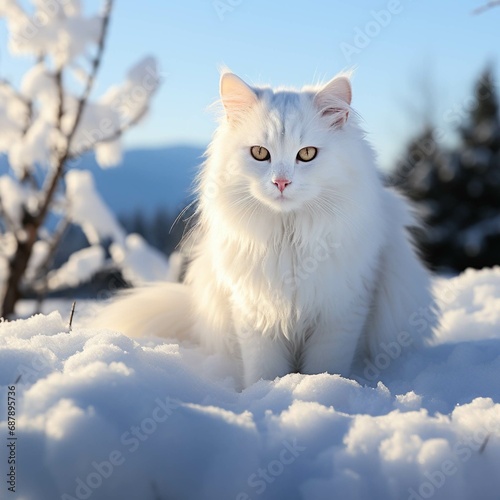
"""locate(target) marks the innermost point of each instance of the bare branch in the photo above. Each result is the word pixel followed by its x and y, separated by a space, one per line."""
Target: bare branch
pixel 486 7
pixel 70 325
pixel 58 77
pixel 29 117
pixel 484 444
pixel 60 94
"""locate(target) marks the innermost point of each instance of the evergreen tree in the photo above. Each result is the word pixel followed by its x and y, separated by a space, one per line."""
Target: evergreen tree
pixel 459 191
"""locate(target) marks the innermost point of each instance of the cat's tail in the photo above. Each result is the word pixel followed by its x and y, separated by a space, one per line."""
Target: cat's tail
pixel 404 313
pixel 159 310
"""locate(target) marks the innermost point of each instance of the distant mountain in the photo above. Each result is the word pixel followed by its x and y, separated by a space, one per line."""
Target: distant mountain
pixel 146 180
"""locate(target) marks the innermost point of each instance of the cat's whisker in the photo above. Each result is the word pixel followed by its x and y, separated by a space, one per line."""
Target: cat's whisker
pixel 181 214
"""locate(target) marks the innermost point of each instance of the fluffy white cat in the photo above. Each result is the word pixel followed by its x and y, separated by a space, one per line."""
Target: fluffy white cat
pixel 300 259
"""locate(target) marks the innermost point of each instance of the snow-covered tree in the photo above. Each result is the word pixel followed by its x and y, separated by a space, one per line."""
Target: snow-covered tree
pixel 46 123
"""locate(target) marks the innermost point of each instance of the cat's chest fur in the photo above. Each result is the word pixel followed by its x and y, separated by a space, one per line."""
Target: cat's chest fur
pixel 282 286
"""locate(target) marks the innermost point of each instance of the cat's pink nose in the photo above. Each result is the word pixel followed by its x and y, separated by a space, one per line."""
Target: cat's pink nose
pixel 281 184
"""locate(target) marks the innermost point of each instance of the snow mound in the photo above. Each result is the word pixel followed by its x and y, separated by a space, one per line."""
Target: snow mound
pixel 101 416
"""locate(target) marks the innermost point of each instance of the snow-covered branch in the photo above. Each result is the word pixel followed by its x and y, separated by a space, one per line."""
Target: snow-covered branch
pixel 61 160
pixel 45 124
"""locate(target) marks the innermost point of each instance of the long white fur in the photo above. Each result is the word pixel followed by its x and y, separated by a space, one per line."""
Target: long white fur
pixel 304 281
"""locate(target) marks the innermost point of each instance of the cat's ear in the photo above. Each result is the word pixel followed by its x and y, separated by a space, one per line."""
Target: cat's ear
pixel 236 95
pixel 334 99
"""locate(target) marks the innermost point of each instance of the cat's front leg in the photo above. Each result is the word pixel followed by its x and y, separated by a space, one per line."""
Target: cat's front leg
pixel 332 346
pixel 263 356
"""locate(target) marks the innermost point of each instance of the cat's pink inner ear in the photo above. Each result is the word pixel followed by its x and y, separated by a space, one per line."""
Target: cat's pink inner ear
pixel 334 99
pixel 236 95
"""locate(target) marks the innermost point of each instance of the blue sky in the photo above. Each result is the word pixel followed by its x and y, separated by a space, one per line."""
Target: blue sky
pixel 422 60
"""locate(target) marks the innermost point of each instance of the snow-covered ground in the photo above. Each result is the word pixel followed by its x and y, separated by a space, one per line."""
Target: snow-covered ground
pixel 101 416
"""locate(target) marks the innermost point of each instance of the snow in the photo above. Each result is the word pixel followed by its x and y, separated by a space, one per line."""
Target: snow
pixel 88 209
pixel 37 120
pixel 33 148
pixel 39 83
pixel 139 262
pixel 12 198
pixel 9 7
pixel 116 109
pixel 55 28
pixel 476 297
pixel 79 268
pixel 12 117
pixel 132 97
pixel 102 416
pixel 41 251
pixel 108 154
pixel 98 121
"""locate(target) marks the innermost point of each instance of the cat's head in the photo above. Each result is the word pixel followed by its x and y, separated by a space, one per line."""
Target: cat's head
pixel 285 149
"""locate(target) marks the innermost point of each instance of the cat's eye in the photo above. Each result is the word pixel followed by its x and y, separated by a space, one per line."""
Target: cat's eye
pixel 307 154
pixel 260 153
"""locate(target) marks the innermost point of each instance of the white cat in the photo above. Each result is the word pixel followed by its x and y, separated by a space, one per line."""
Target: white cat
pixel 301 259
